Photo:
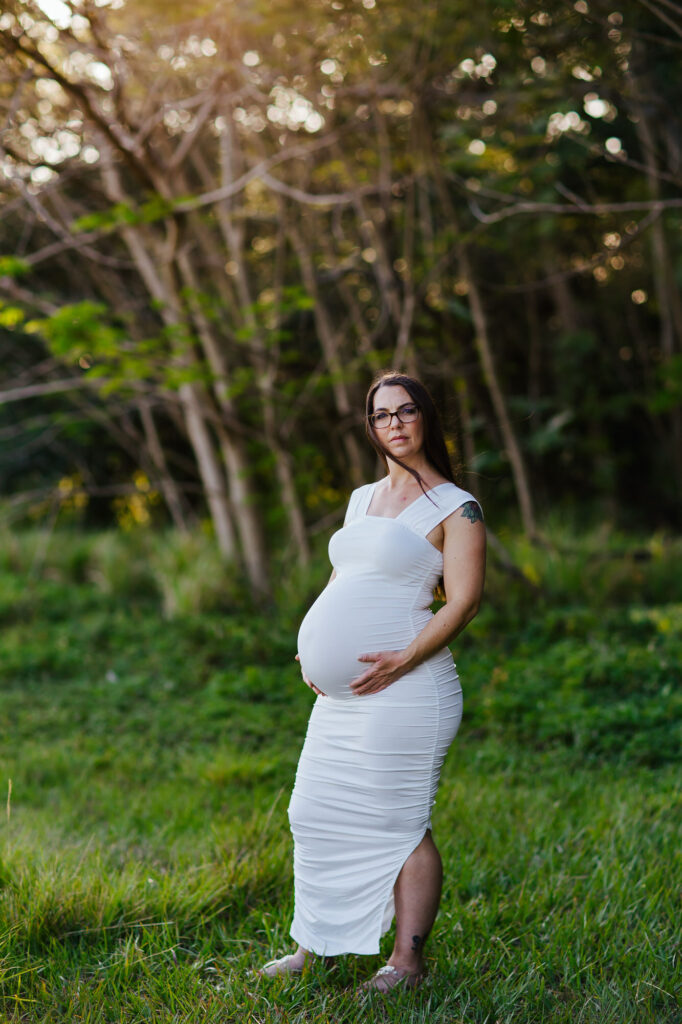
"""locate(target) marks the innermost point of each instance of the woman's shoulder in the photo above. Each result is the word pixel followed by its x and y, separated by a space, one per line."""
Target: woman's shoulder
pixel 359 493
pixel 357 500
pixel 452 497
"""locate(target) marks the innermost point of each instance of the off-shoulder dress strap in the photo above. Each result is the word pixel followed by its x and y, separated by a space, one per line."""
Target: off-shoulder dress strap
pixel 431 509
pixel 357 503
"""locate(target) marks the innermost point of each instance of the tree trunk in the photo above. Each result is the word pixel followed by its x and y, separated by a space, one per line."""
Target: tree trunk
pixel 285 477
pixel 535 346
pixel 464 406
pixel 667 294
pixel 211 472
pixel 565 304
pixel 485 353
pixel 404 333
pixel 169 488
pixel 191 399
pixel 329 344
pixel 244 507
pixel 258 354
pixel 487 361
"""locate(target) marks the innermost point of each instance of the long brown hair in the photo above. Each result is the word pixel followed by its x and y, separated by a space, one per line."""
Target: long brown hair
pixel 435 449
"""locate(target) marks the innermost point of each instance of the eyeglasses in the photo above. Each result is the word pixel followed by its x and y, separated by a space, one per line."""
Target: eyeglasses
pixel 406 414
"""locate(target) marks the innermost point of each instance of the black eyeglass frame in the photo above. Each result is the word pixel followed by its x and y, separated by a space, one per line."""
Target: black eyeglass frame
pixel 385 412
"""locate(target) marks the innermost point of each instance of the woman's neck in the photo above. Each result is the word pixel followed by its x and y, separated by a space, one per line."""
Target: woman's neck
pixel 400 478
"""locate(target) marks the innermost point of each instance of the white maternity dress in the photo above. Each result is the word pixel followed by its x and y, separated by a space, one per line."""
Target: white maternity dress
pixel 369 768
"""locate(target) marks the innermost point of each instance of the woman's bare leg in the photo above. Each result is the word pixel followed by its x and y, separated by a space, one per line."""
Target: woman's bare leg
pixel 300 957
pixel 417 897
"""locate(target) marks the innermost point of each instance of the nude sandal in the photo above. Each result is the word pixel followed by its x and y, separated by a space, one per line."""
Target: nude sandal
pixel 389 977
pixel 277 968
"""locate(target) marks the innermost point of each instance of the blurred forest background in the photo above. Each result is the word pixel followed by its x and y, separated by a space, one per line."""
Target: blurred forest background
pixel 220 219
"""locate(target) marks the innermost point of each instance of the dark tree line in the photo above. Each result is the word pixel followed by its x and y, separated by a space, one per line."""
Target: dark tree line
pixel 219 221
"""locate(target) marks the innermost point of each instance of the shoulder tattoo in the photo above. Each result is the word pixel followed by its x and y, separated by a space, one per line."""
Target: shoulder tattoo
pixel 471 510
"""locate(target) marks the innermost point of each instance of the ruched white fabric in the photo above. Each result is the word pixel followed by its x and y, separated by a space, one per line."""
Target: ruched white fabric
pixel 369 768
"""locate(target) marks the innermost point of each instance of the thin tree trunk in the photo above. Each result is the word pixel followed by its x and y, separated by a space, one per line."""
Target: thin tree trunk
pixel 192 400
pixel 258 353
pixel 249 524
pixel 285 478
pixel 409 299
pixel 329 344
pixel 485 353
pixel 169 488
pixel 211 472
pixel 464 405
pixel 667 294
pixel 244 507
pixel 535 346
pixel 565 304
pixel 489 369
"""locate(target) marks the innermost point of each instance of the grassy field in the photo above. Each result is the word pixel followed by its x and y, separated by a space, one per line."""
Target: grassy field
pixel 150 725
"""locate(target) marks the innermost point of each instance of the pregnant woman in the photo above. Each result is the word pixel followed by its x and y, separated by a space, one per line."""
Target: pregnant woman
pixel 389 701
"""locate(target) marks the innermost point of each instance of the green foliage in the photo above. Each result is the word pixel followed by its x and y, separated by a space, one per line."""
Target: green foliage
pixel 180 573
pixel 120 214
pixel 119 565
pixel 13 266
pixel 11 316
pixel 595 690
pixel 80 329
pixel 441 132
pixel 190 578
pixel 106 220
pixel 88 333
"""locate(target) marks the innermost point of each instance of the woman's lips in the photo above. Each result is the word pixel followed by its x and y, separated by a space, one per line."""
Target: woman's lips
pixel 400 437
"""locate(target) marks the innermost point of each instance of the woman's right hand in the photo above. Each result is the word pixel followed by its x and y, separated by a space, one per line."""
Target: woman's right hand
pixel 307 682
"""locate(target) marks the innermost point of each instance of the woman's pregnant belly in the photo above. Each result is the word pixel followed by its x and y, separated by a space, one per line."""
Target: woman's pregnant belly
pixel 353 616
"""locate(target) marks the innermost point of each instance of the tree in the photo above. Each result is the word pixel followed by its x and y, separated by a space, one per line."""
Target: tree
pixel 264 206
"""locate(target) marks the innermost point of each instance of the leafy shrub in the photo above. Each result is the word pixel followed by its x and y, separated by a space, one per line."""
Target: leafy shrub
pixel 192 578
pixel 605 686
pixel 58 555
pixel 119 564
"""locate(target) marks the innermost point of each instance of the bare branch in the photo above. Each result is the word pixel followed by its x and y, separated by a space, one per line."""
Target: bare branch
pixel 582 268
pixel 45 217
pixel 662 17
pixel 28 298
pixel 634 33
pixel 208 198
pixel 672 6
pixel 589 209
pixel 310 199
pixel 82 92
pixel 190 138
pixel 54 387
pixel 227 191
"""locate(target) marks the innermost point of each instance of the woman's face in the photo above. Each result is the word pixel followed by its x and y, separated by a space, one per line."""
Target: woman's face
pixel 404 440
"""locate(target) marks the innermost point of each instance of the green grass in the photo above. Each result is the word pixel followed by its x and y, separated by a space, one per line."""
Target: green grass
pixel 145 865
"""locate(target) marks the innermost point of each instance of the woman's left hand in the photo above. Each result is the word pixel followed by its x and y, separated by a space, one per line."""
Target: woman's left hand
pixel 387 666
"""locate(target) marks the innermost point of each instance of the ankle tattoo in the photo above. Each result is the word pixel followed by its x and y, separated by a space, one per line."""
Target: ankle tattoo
pixel 417 942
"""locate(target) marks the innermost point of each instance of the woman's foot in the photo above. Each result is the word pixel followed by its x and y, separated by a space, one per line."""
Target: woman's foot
pixel 389 977
pixel 293 963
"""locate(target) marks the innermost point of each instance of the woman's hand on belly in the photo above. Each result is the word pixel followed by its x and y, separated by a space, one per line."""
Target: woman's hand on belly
pixel 309 683
pixel 387 667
